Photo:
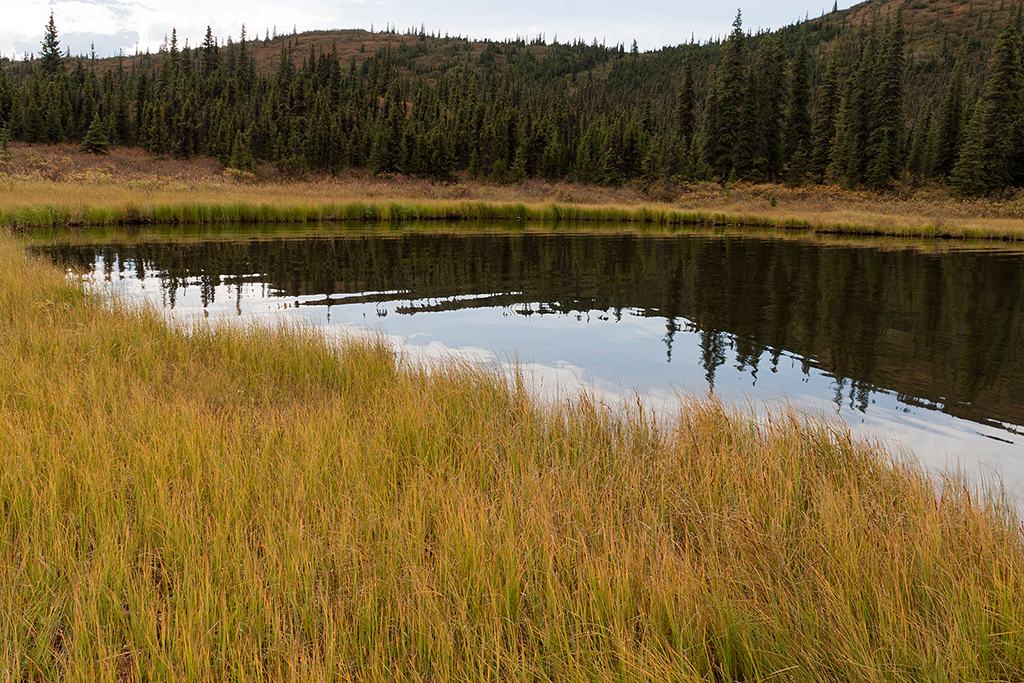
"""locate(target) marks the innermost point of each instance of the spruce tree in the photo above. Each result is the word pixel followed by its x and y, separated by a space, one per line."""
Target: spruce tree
pixel 1002 106
pixel 994 134
pixel 766 99
pixel 683 119
pixel 921 143
pixel 839 145
pixel 851 158
pixel 731 101
pixel 946 140
pixel 53 119
pixel 211 55
pixel 796 171
pixel 157 135
pixel 706 139
pixel 971 177
pixel 798 123
pixel 5 140
pixel 885 139
pixel 390 128
pixel 187 141
pixel 824 128
pixel 241 157
pixel 50 57
pixel 96 140
pixel 32 121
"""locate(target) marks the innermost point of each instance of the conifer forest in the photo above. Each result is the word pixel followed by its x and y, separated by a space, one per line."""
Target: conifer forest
pixel 878 94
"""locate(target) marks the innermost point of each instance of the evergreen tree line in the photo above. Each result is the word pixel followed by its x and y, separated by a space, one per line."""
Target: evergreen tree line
pixel 821 101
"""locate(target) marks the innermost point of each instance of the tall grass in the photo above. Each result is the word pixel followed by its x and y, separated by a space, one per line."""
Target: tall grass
pixel 48 216
pixel 245 503
pixel 28 202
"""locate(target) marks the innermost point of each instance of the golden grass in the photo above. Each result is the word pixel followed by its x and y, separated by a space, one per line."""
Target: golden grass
pixel 58 186
pixel 228 502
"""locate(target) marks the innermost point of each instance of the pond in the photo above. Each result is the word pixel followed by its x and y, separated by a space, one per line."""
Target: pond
pixel 920 342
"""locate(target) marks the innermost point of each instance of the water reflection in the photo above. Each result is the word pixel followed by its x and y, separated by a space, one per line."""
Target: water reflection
pixel 880 329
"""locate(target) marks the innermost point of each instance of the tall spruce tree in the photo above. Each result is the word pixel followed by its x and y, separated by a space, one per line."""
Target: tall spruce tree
pixel 678 159
pixel 758 154
pixel 706 140
pixel 849 149
pixel 971 176
pixel 948 126
pixel 991 145
pixel 731 94
pixel 824 128
pixel 51 63
pixel 885 139
pixel 798 121
pixel 918 163
pixel 211 54
pixel 685 99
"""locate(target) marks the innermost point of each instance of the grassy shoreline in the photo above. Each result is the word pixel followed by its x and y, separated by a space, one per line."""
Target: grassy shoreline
pixel 256 503
pixel 61 187
pixel 131 212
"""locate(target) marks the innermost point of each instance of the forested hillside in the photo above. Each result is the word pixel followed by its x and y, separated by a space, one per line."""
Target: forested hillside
pixel 881 93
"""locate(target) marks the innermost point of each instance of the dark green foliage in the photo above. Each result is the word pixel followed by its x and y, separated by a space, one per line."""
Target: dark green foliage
pixel 821 98
pixel 850 146
pixel 685 101
pixel 798 122
pixel 765 115
pixel 211 54
pixel 946 141
pixel 96 140
pixel 971 176
pixel 885 139
pixel 5 140
pixel 727 140
pixel 385 155
pixel 990 157
pixel 57 106
pixel 824 127
pixel 241 157
pixel 188 137
pixel 50 59
pixel 798 164
pixel 918 162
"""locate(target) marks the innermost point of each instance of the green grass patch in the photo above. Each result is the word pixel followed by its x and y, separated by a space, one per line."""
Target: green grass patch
pixel 397 212
pixel 394 212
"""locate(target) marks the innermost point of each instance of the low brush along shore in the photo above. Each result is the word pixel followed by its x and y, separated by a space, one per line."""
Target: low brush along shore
pixel 233 502
pixel 53 186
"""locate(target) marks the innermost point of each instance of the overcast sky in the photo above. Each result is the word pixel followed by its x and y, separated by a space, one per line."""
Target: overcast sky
pixel 114 25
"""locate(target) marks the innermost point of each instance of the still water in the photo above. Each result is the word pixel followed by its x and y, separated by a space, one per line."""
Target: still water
pixel 918 343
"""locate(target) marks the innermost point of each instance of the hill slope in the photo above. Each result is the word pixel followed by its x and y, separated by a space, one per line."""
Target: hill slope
pixel 753 106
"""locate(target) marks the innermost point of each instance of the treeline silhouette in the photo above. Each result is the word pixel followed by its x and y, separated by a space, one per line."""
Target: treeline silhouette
pixel 856 97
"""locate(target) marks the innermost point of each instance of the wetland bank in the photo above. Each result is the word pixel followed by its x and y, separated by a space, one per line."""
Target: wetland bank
pixel 203 500
pixel 195 500
pixel 917 339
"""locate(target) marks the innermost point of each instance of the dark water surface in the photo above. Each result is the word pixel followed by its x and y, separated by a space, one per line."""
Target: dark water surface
pixel 921 341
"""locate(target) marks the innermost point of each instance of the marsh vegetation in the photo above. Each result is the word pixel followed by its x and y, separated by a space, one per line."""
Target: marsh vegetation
pixel 224 501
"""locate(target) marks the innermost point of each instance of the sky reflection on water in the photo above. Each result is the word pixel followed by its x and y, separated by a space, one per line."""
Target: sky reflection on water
pixel 616 356
pixel 920 344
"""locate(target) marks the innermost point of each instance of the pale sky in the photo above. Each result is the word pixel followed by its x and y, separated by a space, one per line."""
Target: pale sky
pixel 114 25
